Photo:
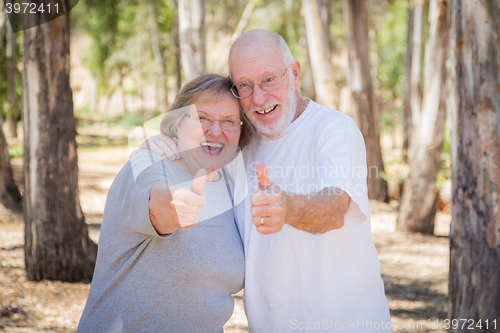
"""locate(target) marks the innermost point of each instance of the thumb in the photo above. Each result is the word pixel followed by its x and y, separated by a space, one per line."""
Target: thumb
pixel 262 176
pixel 199 181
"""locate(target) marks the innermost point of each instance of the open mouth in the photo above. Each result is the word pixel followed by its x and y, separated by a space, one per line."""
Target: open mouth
pixel 212 148
pixel 268 110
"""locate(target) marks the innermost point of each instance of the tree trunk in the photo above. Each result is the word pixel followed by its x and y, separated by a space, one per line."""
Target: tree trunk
pixel 418 202
pixel 247 12
pixel 192 37
pixel 474 279
pixel 319 52
pixel 416 64
pixel 308 81
pixel 57 245
pixel 325 13
pixel 407 123
pixel 10 196
pixel 159 59
pixel 3 19
pixel 11 53
pixel 363 99
pixel 12 121
pixel 177 51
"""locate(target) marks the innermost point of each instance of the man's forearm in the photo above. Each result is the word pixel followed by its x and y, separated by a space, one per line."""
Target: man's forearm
pixel 318 212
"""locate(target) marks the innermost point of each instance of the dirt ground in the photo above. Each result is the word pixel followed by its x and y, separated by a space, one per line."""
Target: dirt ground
pixel 414 267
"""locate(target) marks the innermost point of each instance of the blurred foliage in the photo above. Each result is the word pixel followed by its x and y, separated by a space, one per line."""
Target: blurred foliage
pixel 445 167
pixel 85 109
pixel 120 31
pixel 225 14
pixel 447 139
pixel 98 19
pixel 391 48
pixel 5 103
pixel 122 47
pixel 130 120
pixel 289 24
pixel 337 35
pixel 15 150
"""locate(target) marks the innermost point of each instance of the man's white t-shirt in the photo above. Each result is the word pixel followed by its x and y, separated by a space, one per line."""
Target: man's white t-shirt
pixel 295 280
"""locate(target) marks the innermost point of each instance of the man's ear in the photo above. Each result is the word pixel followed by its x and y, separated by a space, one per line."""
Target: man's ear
pixel 296 74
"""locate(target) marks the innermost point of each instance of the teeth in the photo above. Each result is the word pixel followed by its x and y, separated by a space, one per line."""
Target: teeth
pixel 266 111
pixel 212 144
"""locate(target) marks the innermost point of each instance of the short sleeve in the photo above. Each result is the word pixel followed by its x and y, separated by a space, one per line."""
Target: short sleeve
pixel 342 164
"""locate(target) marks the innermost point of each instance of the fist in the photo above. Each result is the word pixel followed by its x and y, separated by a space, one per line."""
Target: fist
pixel 268 204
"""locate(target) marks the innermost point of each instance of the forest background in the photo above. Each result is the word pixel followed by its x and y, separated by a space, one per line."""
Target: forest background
pixel 395 66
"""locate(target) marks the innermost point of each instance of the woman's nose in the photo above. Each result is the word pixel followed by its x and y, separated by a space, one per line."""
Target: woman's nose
pixel 215 130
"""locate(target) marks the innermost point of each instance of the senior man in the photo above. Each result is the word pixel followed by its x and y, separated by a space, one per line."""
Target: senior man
pixel 310 259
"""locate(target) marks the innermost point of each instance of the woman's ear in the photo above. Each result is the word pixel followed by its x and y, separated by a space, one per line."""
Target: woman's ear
pixel 176 140
pixel 177 127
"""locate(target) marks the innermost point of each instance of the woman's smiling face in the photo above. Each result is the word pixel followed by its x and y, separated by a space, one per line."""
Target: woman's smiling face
pixel 212 147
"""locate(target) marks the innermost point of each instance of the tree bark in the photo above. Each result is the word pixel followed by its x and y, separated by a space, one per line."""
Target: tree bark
pixel 416 63
pixel 363 99
pixel 474 279
pixel 57 245
pixel 308 81
pixel 12 72
pixel 10 196
pixel 318 43
pixel 160 60
pixel 192 37
pixel 3 19
pixel 177 51
pixel 418 202
pixel 407 123
pixel 247 12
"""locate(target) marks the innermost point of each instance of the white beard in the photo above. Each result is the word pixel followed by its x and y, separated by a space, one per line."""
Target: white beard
pixel 288 111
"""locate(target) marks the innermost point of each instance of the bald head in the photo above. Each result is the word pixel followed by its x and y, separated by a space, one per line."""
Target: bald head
pixel 260 40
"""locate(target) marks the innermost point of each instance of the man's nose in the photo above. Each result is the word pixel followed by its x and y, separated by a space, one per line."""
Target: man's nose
pixel 259 95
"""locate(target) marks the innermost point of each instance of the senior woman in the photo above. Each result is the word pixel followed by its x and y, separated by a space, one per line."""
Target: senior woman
pixel 152 276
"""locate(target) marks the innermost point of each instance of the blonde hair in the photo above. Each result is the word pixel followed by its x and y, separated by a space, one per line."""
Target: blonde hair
pixel 204 88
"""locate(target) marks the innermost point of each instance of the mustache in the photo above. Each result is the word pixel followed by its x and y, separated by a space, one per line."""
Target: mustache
pixel 265 106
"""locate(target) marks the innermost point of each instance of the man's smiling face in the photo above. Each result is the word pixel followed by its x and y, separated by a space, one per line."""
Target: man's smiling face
pixel 269 111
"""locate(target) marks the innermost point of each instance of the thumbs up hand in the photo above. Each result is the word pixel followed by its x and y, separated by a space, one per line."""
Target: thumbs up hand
pixel 269 204
pixel 188 201
pixel 171 207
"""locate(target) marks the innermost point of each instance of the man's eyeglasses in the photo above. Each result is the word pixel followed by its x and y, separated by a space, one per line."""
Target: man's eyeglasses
pixel 231 124
pixel 267 83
